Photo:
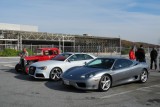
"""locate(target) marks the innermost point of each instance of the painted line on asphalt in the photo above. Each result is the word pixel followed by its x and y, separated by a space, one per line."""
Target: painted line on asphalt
pixel 112 95
pixel 126 92
pixel 9 65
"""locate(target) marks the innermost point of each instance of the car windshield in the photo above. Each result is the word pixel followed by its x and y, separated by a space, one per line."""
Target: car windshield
pixel 39 52
pixel 105 63
pixel 61 57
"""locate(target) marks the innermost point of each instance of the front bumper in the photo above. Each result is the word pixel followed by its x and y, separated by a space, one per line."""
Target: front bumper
pixel 87 84
pixel 37 73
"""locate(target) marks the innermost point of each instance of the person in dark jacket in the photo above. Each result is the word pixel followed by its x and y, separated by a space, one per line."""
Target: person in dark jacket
pixel 140 54
pixel 153 56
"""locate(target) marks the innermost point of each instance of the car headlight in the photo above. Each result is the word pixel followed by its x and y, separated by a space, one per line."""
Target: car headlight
pixel 42 68
pixel 90 75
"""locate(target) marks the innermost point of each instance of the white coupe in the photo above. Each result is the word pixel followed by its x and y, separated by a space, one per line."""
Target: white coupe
pixel 52 69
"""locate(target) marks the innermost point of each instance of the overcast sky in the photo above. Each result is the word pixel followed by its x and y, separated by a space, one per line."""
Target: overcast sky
pixel 134 20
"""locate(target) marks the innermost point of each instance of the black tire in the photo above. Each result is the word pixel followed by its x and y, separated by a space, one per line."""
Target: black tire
pixel 143 76
pixel 105 83
pixel 55 74
pixel 18 68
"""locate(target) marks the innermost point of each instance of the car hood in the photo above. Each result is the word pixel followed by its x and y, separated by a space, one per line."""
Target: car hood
pixel 77 72
pixel 46 63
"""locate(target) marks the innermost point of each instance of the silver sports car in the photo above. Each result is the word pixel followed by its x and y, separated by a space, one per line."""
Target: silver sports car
pixel 102 73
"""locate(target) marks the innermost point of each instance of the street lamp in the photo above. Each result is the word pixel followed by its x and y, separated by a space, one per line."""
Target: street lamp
pixel 120 44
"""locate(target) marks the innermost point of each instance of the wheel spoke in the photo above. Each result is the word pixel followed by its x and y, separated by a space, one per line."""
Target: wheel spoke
pixel 57 76
pixel 53 76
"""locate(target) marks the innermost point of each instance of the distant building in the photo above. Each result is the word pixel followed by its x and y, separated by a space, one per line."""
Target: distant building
pixel 18 36
pixel 17 27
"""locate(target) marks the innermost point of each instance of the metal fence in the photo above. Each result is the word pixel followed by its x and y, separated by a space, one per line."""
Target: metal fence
pixel 96 50
pixel 85 49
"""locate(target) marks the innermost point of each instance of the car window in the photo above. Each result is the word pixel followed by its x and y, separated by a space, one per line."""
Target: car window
pixel 77 57
pixel 39 52
pixel 80 57
pixel 95 62
pixel 46 52
pixel 122 63
pixel 61 57
pixel 73 58
pixel 50 52
pixel 106 63
pixel 87 57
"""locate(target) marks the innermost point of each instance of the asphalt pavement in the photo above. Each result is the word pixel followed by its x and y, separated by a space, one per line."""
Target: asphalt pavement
pixel 19 90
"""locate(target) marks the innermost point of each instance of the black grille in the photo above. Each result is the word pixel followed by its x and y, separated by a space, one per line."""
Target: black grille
pixel 81 84
pixel 39 75
pixel 32 70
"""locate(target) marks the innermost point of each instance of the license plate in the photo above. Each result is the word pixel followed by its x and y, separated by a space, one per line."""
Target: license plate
pixel 66 82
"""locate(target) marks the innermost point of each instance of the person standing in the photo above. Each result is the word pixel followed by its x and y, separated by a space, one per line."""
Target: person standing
pixel 140 54
pixel 22 55
pixel 131 54
pixel 153 56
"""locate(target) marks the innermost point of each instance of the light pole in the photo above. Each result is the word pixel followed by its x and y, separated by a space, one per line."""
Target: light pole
pixel 120 44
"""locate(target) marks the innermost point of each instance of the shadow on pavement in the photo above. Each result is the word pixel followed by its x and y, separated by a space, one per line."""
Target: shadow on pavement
pixel 23 76
pixel 57 85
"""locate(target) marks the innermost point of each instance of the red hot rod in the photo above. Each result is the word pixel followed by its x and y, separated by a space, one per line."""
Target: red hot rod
pixel 42 55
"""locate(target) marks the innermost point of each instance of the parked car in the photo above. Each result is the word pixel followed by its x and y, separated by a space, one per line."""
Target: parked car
pixel 52 69
pixel 102 73
pixel 41 55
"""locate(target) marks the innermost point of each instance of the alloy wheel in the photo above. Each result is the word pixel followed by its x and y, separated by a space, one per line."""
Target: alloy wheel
pixel 105 83
pixel 144 76
pixel 55 74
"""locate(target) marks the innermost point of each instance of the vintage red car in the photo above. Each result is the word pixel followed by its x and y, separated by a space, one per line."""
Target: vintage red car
pixel 41 55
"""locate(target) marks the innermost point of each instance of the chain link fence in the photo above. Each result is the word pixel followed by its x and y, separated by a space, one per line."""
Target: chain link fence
pixel 85 49
pixel 95 50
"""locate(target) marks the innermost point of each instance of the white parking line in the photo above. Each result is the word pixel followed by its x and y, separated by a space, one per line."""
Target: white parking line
pixel 125 92
pixel 108 96
pixel 9 65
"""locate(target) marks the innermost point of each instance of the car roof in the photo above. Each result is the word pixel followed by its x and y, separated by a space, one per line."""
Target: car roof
pixel 48 48
pixel 113 57
pixel 73 53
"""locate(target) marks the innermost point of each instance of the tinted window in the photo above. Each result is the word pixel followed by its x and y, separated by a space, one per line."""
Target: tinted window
pixel 122 63
pixel 73 58
pixel 61 57
pixel 101 63
pixel 87 57
pixel 77 57
pixel 50 52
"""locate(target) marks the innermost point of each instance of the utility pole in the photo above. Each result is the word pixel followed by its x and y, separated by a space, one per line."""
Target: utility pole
pixel 120 44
